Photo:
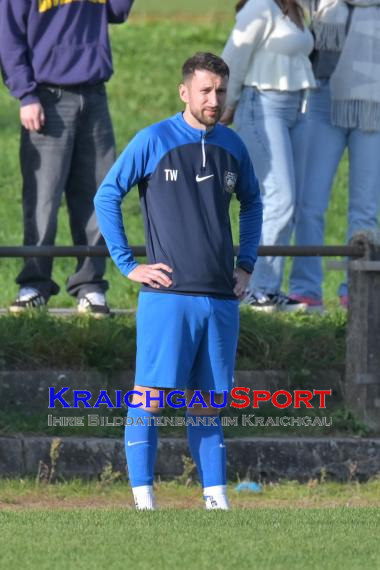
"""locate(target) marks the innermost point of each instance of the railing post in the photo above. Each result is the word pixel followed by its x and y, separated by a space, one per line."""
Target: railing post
pixel 362 390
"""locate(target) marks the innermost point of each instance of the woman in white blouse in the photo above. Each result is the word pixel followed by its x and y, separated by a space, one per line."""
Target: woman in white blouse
pixel 267 53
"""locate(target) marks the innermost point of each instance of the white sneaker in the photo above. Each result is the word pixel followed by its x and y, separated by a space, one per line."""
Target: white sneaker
pixel 28 298
pixel 94 304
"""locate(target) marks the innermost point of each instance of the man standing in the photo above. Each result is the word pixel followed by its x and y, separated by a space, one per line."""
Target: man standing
pixel 56 57
pixel 186 167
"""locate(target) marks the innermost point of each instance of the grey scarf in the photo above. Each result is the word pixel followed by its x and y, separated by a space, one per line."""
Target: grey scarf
pixel 355 83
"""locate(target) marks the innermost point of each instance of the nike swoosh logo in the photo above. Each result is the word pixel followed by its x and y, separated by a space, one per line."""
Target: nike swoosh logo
pixel 130 443
pixel 202 178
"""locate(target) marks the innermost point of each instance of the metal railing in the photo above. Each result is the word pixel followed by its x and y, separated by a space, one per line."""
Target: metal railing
pixel 356 251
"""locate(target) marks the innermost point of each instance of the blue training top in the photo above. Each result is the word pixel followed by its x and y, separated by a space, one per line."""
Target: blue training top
pixel 185 177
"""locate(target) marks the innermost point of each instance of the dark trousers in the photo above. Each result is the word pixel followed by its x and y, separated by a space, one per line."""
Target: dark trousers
pixel 71 155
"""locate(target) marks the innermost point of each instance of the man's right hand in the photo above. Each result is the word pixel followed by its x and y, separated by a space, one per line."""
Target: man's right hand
pixel 152 275
pixel 32 117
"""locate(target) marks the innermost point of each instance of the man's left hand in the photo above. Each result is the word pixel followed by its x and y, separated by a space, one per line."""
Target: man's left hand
pixel 241 282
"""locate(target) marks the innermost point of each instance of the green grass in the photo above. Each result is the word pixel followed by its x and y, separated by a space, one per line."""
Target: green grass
pixel 78 524
pixel 113 490
pixel 295 343
pixel 264 539
pixel 147 58
pixel 175 9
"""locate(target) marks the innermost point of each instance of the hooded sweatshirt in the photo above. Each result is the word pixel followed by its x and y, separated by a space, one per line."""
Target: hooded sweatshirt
pixel 58 42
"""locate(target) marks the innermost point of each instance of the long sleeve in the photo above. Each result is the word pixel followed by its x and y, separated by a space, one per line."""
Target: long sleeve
pixel 253 24
pixel 251 214
pixel 17 69
pixel 118 10
pixel 131 167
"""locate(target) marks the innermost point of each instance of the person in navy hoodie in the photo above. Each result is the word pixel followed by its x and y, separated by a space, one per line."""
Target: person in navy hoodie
pixel 56 58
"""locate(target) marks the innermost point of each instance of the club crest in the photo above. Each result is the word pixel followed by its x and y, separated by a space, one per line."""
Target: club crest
pixel 230 179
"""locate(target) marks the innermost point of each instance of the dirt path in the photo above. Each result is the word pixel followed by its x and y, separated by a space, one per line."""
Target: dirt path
pixel 164 500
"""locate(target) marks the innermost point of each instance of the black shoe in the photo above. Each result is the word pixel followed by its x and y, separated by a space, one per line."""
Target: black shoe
pixel 260 302
pixel 272 302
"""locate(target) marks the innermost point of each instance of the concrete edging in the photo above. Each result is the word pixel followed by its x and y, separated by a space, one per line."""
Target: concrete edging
pixel 259 459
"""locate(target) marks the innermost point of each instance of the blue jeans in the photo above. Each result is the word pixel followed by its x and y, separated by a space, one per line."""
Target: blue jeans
pixel 324 145
pixel 71 154
pixel 268 123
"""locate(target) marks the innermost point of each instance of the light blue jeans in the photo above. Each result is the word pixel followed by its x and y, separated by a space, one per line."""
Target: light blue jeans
pixel 324 145
pixel 268 121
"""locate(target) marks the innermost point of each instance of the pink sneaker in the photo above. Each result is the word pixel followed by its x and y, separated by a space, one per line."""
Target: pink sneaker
pixel 343 300
pixel 313 305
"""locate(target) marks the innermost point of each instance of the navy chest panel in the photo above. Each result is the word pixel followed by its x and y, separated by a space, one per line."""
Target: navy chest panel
pixel 185 205
pixel 185 170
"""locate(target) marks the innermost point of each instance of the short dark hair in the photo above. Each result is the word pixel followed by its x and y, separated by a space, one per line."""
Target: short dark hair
pixel 205 61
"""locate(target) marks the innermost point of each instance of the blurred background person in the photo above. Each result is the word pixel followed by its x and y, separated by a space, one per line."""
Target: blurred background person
pixel 267 53
pixel 343 112
pixel 56 58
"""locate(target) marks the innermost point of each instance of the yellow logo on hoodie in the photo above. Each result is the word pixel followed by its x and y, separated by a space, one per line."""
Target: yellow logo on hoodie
pixel 45 5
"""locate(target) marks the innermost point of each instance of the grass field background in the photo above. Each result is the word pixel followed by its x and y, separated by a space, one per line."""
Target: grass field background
pixel 213 10
pixel 113 491
pixel 264 539
pixel 317 525
pixel 148 53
